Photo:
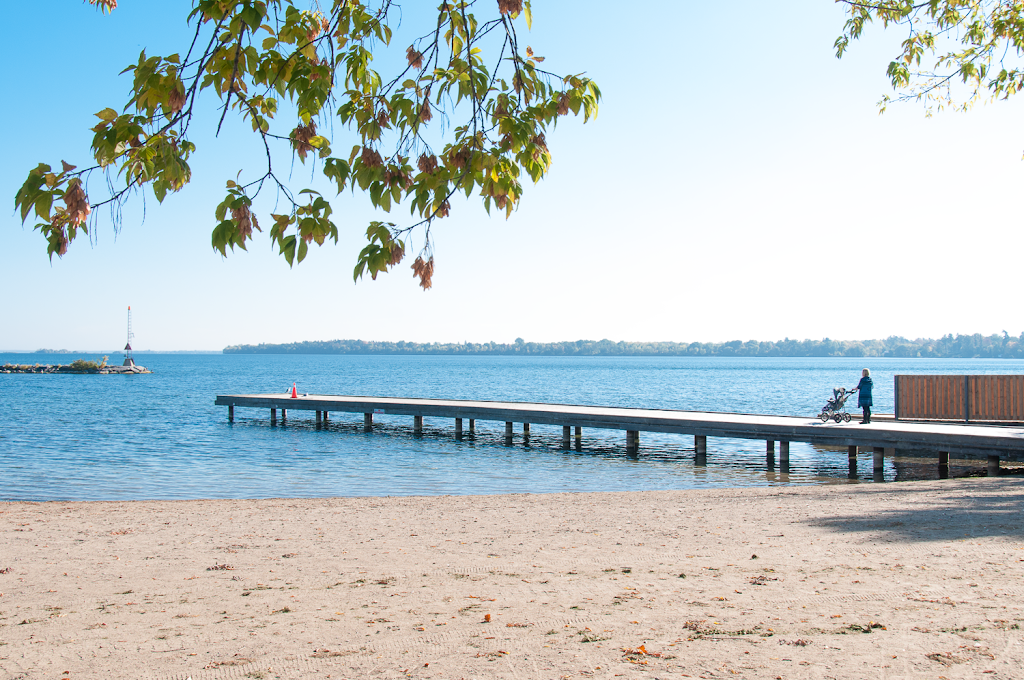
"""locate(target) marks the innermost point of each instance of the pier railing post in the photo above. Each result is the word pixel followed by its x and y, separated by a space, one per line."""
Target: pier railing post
pixel 367 422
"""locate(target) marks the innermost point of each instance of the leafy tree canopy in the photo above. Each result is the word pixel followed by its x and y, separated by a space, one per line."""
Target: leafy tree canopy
pixel 467 80
pixel 956 52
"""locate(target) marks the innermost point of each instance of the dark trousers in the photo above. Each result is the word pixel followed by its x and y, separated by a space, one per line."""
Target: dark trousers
pixel 867 413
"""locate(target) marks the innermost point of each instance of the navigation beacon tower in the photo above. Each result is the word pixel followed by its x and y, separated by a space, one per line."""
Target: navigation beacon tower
pixel 129 360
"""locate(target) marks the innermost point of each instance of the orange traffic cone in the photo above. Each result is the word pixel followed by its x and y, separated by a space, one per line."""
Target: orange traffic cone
pixel 295 392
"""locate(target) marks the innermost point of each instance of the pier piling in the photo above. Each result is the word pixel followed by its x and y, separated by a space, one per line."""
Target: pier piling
pixel 273 417
pixel 566 431
pixel 417 424
pixel 879 459
pixel 458 428
pixel 993 466
pixel 632 441
pixel 508 433
pixel 231 413
pixel 784 455
pixel 367 422
pixel 472 425
pixel 319 419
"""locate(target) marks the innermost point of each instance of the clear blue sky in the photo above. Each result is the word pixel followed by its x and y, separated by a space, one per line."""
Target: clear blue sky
pixel 738 184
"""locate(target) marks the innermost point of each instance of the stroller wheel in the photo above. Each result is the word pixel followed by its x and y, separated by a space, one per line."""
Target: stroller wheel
pixel 838 417
pixel 824 416
pixel 846 417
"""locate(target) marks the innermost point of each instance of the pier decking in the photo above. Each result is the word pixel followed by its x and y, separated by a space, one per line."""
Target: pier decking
pixel 940 439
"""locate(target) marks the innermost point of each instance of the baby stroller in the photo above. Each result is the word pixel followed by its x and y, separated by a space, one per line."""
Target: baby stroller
pixel 835 408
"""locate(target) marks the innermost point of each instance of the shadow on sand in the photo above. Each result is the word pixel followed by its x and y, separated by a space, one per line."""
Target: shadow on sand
pixel 937 511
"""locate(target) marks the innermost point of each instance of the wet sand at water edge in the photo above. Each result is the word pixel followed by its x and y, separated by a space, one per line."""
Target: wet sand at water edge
pixel 907 580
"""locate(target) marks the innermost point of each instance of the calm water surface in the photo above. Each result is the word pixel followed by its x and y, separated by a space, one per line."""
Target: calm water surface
pixel 92 437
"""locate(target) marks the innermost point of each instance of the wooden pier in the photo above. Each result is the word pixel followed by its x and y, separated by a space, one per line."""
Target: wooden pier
pixel 942 440
pixel 939 439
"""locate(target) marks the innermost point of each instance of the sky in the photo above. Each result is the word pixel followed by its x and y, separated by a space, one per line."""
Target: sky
pixel 738 183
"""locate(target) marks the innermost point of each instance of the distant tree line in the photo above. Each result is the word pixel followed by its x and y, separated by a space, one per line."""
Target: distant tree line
pixel 960 346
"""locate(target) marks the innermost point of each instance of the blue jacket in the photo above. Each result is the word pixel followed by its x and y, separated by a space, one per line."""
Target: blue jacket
pixel 864 391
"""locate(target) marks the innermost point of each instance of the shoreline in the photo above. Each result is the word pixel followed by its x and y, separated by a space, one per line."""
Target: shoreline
pixel 848 581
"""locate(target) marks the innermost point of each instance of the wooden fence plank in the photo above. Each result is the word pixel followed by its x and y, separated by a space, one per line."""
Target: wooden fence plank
pixel 960 397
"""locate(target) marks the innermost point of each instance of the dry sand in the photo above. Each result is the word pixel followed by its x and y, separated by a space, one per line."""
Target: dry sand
pixel 917 579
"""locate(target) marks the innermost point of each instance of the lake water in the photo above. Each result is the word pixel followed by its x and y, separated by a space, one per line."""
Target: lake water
pixel 93 437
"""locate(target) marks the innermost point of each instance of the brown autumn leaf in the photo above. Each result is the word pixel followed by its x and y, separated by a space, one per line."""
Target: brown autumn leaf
pixel 510 6
pixel 424 270
pixel 176 100
pixel 427 163
pixel 371 158
pixel 397 253
pixel 563 104
pixel 459 158
pixel 300 138
pixel 541 143
pixel 425 114
pixel 415 57
pixel 77 204
pixel 67 166
pixel 245 219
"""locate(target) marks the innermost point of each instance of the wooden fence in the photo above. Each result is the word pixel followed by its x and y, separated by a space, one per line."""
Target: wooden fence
pixel 960 397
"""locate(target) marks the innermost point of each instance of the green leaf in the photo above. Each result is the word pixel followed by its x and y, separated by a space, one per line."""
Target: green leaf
pixel 288 249
pixel 107 115
pixel 528 14
pixel 160 189
pixel 43 205
pixel 303 249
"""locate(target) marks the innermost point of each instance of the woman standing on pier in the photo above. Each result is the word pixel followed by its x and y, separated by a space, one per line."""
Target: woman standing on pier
pixel 864 395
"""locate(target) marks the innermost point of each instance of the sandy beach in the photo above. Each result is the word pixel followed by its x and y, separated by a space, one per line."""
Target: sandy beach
pixel 908 580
